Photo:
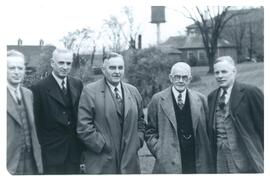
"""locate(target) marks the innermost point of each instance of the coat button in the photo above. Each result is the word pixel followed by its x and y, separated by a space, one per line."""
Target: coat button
pixel 63 112
pixel 68 123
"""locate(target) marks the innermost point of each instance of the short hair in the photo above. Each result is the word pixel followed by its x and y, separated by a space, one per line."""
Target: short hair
pixel 227 59
pixel 183 65
pixel 61 51
pixel 109 55
pixel 14 53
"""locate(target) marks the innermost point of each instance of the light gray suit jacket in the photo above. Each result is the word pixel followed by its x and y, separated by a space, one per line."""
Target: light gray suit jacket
pixel 161 133
pixel 15 132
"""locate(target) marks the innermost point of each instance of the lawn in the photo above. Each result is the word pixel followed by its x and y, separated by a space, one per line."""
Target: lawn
pixel 250 73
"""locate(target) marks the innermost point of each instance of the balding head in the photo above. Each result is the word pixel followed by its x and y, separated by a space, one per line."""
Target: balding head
pixel 180 76
pixel 181 66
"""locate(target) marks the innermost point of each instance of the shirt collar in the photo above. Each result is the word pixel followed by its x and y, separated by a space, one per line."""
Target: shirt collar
pixel 13 89
pixel 118 87
pixel 176 93
pixel 59 80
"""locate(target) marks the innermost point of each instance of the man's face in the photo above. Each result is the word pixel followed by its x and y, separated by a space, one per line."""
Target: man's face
pixel 61 64
pixel 224 74
pixel 15 70
pixel 180 78
pixel 113 70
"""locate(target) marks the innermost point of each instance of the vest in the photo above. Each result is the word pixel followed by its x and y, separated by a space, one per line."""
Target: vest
pixel 185 136
pixel 231 157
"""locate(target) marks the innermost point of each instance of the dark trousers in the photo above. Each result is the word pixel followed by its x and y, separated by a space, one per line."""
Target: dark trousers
pixel 27 165
pixel 66 168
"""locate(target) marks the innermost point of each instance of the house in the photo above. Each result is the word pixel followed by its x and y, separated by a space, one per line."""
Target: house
pixel 33 54
pixel 191 48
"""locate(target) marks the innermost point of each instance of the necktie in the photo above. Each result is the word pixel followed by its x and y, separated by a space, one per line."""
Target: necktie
pixel 117 95
pixel 64 89
pixel 17 96
pixel 180 102
pixel 222 99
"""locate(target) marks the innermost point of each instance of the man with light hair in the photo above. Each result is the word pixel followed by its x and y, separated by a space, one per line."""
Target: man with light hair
pixel 176 132
pixel 23 148
pixel 236 122
pixel 56 101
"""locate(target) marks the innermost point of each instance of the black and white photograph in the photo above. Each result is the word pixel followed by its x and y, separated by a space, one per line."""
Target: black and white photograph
pixel 133 88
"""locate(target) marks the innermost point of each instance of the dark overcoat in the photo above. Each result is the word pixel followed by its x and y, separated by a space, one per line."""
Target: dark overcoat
pixel 56 132
pixel 247 112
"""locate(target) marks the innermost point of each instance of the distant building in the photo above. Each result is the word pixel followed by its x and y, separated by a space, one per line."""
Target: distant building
pixel 190 48
pixel 32 53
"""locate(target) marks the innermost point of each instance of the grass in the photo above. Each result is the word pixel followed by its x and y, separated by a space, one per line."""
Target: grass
pixel 250 73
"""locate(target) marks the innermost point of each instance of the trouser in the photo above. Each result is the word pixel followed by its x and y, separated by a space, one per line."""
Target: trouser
pixel 65 168
pixel 27 163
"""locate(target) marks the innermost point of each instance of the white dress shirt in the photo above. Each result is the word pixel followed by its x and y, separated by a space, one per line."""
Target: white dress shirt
pixel 118 87
pixel 176 93
pixel 59 80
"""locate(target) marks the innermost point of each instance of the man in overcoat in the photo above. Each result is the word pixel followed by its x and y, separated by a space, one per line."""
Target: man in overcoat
pixel 56 101
pixel 176 132
pixel 23 148
pixel 110 122
pixel 236 122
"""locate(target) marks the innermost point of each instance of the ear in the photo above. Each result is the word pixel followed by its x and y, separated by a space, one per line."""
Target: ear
pixel 171 78
pixel 52 62
pixel 189 79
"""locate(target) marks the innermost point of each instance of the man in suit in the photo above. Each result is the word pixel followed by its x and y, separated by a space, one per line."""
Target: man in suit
pixel 56 101
pixel 236 122
pixel 110 121
pixel 23 149
pixel 176 131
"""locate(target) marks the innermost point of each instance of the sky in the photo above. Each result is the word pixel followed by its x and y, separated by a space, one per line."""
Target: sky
pixel 50 20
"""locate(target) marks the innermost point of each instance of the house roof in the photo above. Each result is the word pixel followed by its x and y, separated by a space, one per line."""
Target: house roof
pixel 192 42
pixel 31 53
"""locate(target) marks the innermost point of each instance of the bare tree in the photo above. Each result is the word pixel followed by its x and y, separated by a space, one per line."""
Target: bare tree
pixel 123 33
pixel 76 41
pixel 113 28
pixel 210 23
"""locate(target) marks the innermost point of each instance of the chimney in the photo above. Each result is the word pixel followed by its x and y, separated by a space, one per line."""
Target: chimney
pixel 41 42
pixel 140 41
pixel 19 42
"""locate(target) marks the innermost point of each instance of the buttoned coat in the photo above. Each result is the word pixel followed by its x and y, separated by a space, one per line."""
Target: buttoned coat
pixel 56 132
pixel 247 112
pixel 162 137
pixel 98 130
pixel 15 132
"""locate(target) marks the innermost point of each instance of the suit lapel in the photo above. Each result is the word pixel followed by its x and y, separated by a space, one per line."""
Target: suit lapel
pixel 127 100
pixel 11 108
pixel 168 108
pixel 236 96
pixel 28 107
pixel 54 91
pixel 72 89
pixel 212 106
pixel 194 109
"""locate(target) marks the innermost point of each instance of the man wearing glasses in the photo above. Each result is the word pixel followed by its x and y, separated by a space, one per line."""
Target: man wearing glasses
pixel 176 132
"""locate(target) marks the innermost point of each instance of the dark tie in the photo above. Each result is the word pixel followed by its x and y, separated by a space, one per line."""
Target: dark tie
pixel 64 89
pixel 117 95
pixel 221 103
pixel 180 102
pixel 18 99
